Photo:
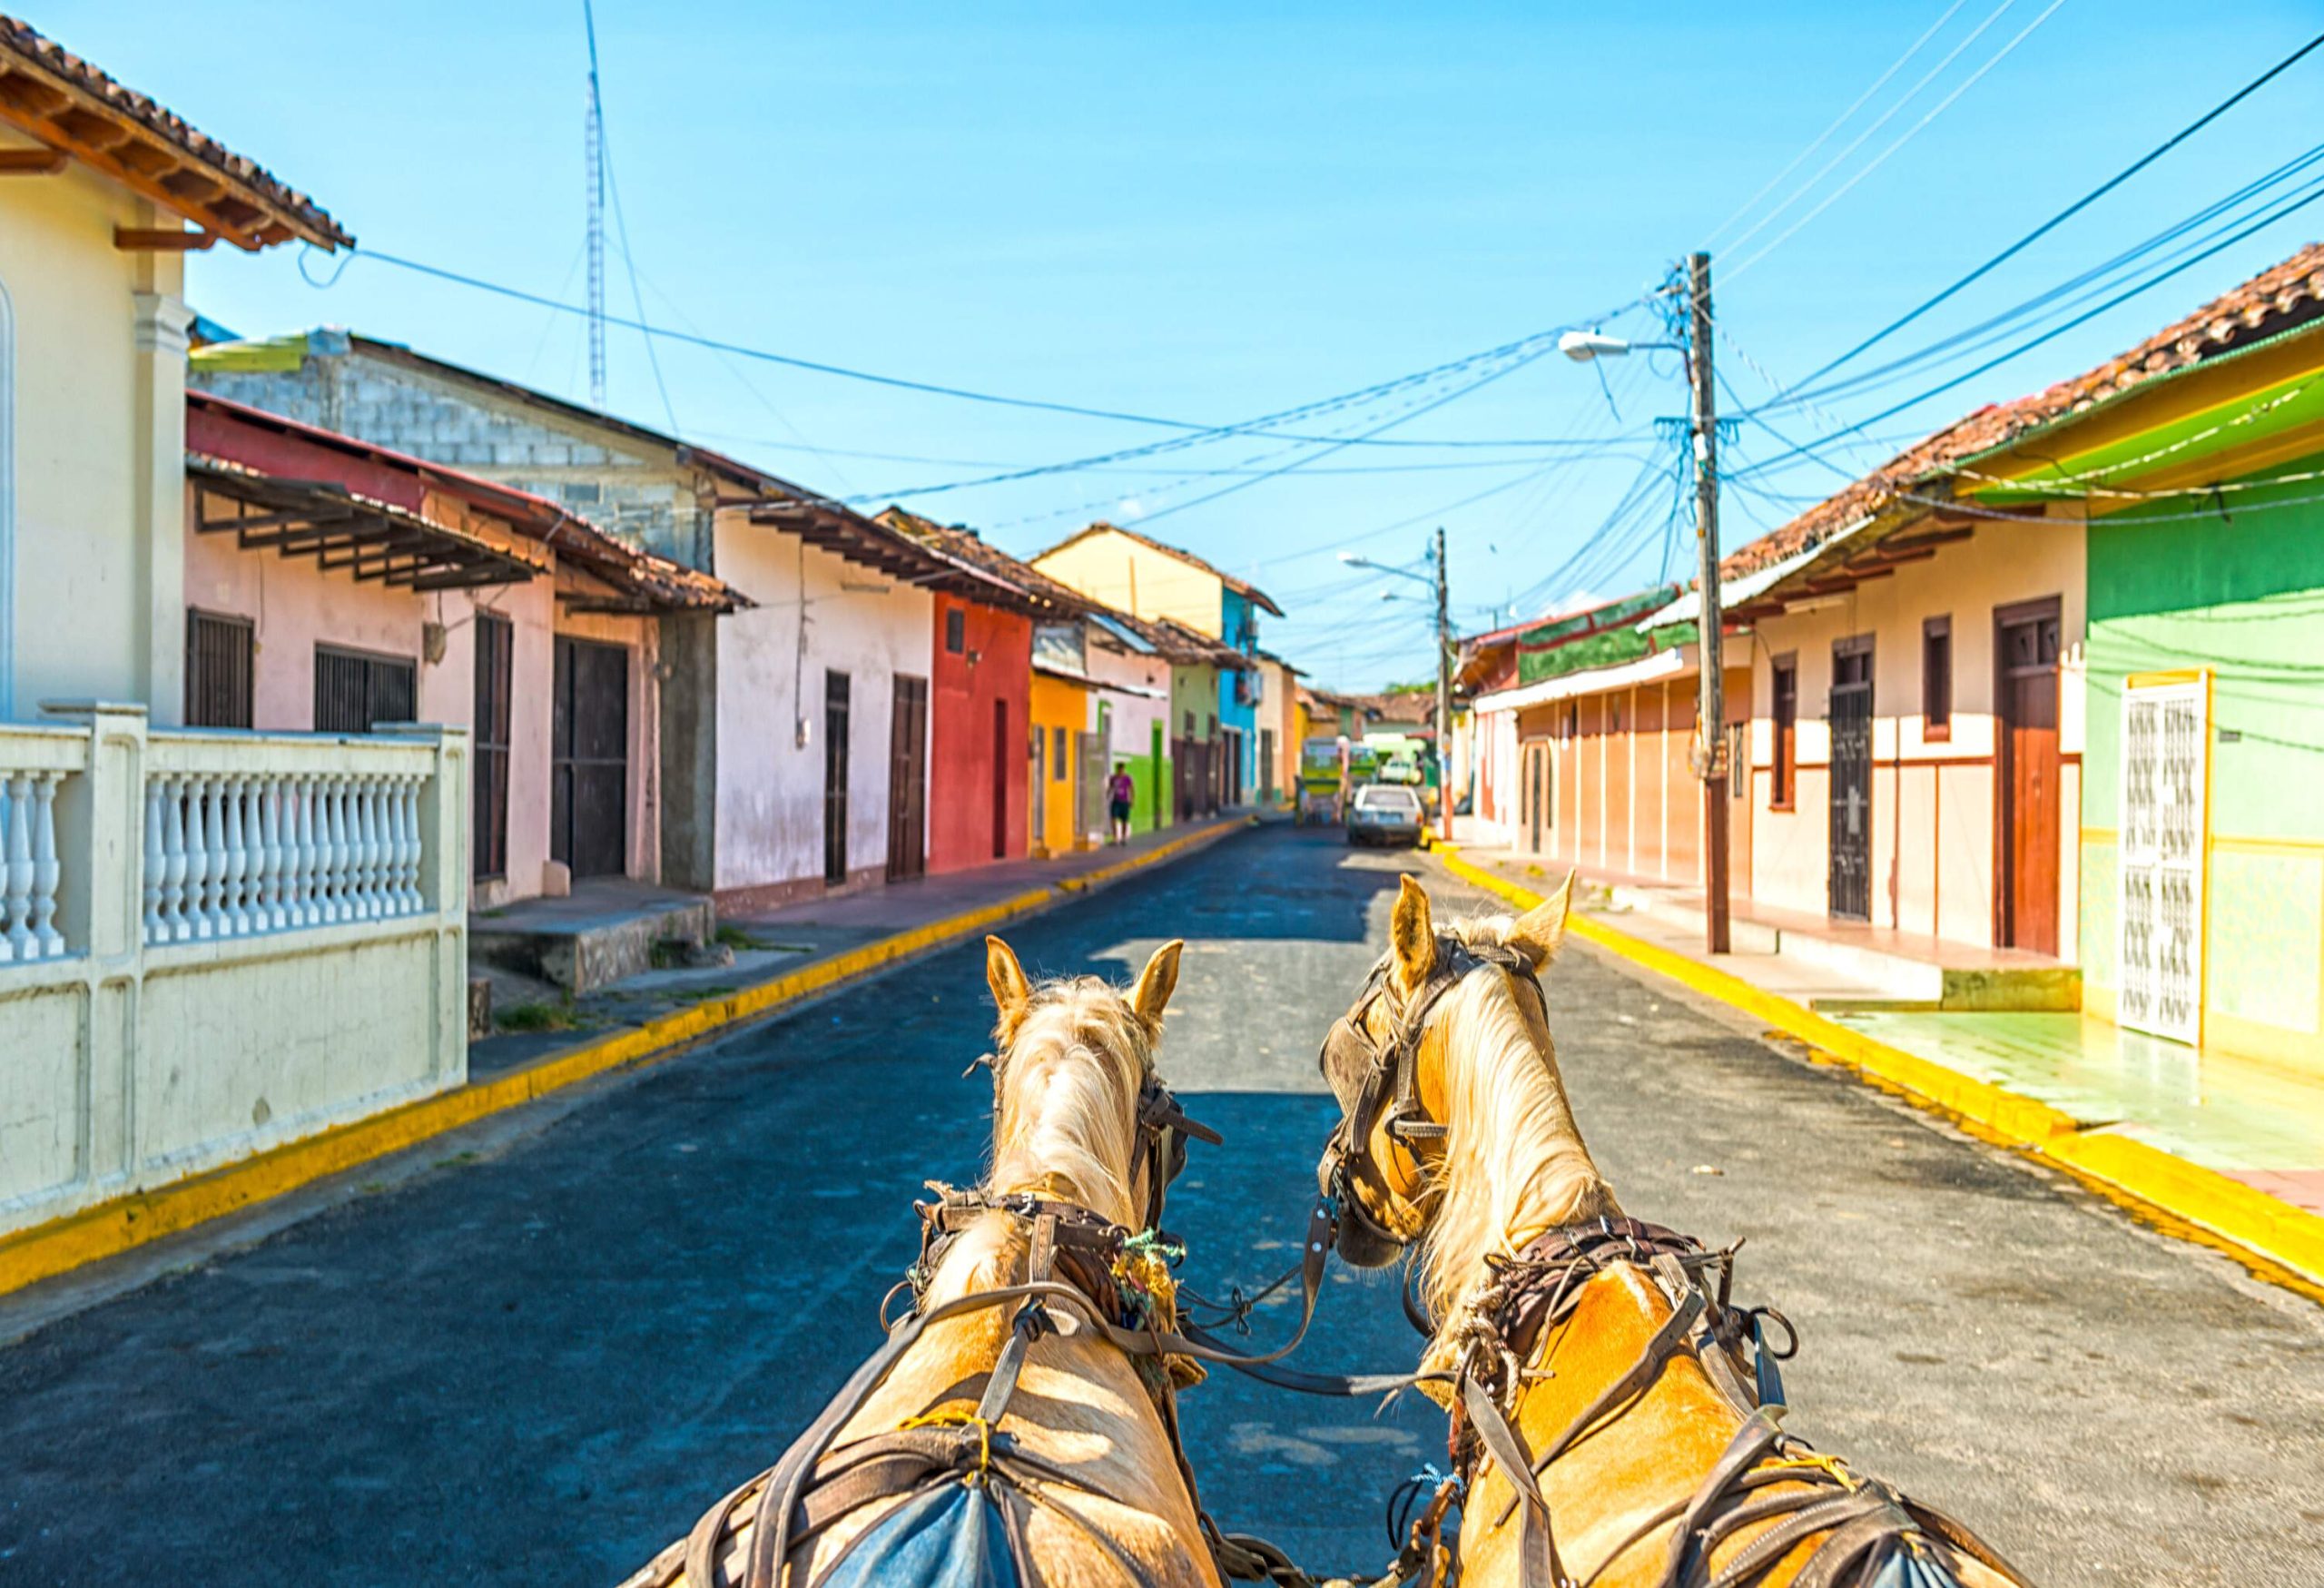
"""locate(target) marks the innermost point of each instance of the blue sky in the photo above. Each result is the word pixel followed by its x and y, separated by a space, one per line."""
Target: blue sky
pixel 1207 215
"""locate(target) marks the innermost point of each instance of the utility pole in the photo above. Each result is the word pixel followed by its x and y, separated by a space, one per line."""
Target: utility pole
pixel 1443 696
pixel 1710 709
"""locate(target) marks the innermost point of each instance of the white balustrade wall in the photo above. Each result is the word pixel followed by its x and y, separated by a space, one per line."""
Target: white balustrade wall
pixel 29 870
pixel 231 856
pixel 212 942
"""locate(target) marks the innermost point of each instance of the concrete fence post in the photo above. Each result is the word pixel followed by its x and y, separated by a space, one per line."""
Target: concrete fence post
pixel 100 906
pixel 443 880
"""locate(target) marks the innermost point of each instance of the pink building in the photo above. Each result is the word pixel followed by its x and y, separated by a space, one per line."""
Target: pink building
pixel 331 585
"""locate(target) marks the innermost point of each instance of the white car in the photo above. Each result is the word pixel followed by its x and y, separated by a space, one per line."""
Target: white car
pixel 1384 813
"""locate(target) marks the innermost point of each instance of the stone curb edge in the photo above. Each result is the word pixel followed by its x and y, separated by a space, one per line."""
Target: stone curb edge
pixel 47 1250
pixel 2188 1191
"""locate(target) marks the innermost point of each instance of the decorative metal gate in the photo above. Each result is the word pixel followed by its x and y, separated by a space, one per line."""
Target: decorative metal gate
pixel 1850 718
pixel 2160 869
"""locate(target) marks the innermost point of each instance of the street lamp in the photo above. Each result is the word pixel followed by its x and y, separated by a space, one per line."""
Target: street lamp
pixel 1443 669
pixel 1584 347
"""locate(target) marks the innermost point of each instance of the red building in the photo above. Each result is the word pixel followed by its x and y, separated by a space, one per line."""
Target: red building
pixel 981 695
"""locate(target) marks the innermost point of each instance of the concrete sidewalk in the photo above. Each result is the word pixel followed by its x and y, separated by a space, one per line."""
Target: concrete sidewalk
pixel 2232 1145
pixel 775 943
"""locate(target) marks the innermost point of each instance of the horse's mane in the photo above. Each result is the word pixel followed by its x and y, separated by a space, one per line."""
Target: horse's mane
pixel 1502 1091
pixel 1067 1122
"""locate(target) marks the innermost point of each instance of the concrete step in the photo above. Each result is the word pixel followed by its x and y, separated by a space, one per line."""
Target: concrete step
pixel 594 938
pixel 1895 983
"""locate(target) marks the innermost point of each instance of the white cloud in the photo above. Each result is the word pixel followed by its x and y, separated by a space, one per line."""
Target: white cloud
pixel 1130 507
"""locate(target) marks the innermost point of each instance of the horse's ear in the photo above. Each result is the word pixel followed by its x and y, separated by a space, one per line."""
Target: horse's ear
pixel 1412 933
pixel 1155 983
pixel 1540 931
pixel 1010 991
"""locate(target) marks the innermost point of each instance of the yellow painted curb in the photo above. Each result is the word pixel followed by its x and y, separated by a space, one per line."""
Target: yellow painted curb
pixel 2268 1225
pixel 49 1250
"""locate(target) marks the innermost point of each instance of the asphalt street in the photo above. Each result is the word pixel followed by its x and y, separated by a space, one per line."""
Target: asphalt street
pixel 539 1361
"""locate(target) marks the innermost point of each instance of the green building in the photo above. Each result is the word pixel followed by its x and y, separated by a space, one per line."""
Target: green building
pixel 2200 481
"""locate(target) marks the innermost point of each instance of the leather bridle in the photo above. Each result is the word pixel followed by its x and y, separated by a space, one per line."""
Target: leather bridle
pixel 1388 1099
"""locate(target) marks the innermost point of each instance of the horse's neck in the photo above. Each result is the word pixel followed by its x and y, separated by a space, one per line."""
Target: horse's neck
pixel 1515 1165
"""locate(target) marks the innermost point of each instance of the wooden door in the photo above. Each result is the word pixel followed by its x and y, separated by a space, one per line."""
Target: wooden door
pixel 493 726
pixel 1850 718
pixel 837 702
pixel 1004 760
pixel 1536 796
pixel 2026 777
pixel 908 780
pixel 589 823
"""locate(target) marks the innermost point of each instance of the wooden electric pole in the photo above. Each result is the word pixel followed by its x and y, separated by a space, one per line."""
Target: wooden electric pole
pixel 1710 709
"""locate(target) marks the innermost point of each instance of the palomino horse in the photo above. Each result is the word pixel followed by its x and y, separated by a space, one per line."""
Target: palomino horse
pixel 1599 1383
pixel 1005 1433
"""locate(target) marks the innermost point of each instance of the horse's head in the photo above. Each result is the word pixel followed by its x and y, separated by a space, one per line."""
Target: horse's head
pixel 1384 1062
pixel 1078 1112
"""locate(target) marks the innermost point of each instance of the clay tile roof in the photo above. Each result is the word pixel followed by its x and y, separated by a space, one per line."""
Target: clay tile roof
pixel 2276 299
pixel 72 107
pixel 1003 574
pixel 231 436
pixel 1249 592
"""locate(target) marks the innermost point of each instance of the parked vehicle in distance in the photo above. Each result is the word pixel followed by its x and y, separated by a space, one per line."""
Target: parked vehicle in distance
pixel 1384 813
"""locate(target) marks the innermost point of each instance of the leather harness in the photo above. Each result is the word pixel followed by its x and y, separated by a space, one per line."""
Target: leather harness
pixel 1863 1524
pixel 1071 1264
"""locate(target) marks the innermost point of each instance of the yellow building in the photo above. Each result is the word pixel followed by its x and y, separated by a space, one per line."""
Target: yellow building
pixel 1060 731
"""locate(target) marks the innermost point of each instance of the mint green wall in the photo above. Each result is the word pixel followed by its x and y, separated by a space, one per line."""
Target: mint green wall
pixel 2243 594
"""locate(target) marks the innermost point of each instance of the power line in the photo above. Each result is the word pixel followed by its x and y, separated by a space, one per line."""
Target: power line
pixel 1992 330
pixel 1911 132
pixel 1857 142
pixel 1823 137
pixel 1192 430
pixel 2070 210
pixel 2283 211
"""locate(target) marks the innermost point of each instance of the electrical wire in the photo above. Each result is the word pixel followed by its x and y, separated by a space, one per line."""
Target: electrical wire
pixel 2281 211
pixel 1193 431
pixel 1911 132
pixel 2060 298
pixel 2069 212
pixel 1885 117
pixel 1825 136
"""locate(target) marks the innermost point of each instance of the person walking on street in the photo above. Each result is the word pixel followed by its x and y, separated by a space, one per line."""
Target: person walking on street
pixel 1120 791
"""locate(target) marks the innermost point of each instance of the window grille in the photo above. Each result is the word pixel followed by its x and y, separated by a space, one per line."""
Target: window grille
pixel 218 665
pixel 356 691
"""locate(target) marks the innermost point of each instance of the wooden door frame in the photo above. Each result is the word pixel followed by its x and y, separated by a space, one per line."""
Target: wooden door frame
pixel 2004 771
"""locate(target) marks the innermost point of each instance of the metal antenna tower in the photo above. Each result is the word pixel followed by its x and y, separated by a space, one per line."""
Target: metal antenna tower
pixel 593 157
